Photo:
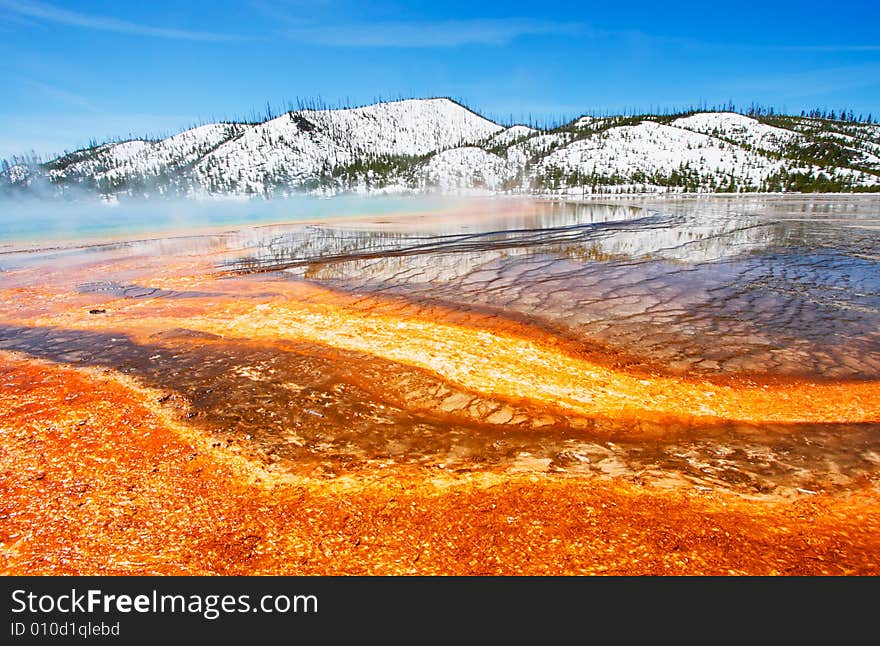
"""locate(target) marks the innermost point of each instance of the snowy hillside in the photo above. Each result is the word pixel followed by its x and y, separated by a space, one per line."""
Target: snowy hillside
pixel 141 162
pixel 463 168
pixel 510 135
pixel 437 144
pixel 650 152
pixel 739 129
pixel 701 152
pixel 298 147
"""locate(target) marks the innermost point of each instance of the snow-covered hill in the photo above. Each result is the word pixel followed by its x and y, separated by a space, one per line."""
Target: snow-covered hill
pixel 464 168
pixel 651 155
pixel 113 166
pixel 738 129
pixel 299 147
pixel 430 144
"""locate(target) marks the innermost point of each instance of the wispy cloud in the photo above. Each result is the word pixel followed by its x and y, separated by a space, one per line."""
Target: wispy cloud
pixel 439 33
pixel 50 13
pixel 59 95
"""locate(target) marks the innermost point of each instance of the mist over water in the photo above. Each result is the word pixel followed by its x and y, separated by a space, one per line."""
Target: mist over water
pixel 41 221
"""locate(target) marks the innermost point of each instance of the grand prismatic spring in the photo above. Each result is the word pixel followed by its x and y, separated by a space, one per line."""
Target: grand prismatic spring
pixel 677 386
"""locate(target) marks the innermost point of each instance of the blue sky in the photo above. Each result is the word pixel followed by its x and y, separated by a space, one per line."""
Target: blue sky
pixel 72 71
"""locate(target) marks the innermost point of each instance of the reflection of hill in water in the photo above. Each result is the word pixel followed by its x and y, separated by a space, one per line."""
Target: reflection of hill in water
pixel 574 231
pixel 762 285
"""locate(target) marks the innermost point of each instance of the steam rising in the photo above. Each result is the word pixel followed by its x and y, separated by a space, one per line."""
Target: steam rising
pixel 40 220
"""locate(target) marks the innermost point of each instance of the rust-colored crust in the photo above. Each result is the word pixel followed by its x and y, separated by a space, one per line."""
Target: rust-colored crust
pixel 97 478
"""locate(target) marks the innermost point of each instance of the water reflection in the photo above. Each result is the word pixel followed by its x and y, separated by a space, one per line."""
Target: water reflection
pixel 586 231
pixel 761 285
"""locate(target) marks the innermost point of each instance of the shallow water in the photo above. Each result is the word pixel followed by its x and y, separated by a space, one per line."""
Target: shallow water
pixel 52 221
pixel 782 286
pixel 741 292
